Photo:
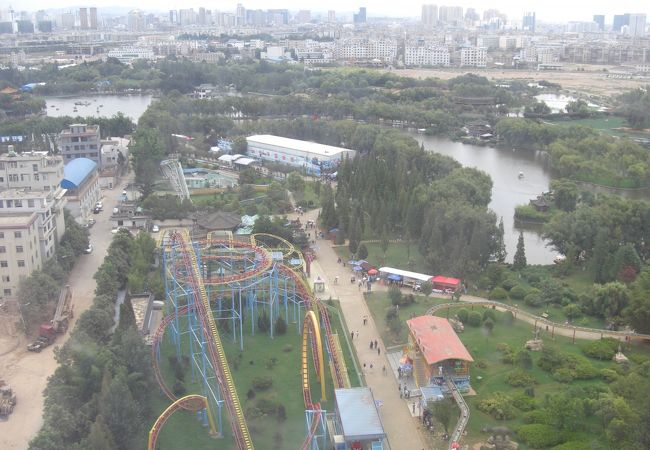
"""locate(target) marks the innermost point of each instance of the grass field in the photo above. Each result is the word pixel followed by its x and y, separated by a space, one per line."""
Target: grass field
pixel 397 256
pixel 607 124
pixel 483 347
pixel 278 358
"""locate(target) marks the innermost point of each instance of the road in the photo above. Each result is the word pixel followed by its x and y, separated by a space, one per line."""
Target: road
pixel 27 372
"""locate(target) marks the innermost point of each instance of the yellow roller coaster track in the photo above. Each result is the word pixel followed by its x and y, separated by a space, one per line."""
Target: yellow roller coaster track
pixel 311 324
pixel 238 421
pixel 192 402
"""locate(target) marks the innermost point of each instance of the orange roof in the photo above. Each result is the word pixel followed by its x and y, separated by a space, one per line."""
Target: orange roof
pixel 437 339
pixel 8 90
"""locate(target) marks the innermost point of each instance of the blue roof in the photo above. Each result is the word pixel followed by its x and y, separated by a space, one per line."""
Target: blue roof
pixel 358 412
pixel 76 172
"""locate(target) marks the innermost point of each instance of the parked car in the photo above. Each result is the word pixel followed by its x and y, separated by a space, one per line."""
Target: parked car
pixel 155 229
pixel 96 210
pixel 99 205
pixel 89 249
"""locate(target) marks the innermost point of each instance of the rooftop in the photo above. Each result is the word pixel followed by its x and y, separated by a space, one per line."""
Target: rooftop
pixel 405 273
pixel 358 412
pixel 17 220
pixel 76 172
pixel 437 339
pixel 304 146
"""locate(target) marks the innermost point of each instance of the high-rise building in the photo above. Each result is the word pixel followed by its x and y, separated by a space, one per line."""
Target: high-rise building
pixel 240 15
pixel 600 20
pixel 331 16
pixel 135 20
pixel 360 17
pixel 6 27
pixel 620 20
pixel 429 15
pixel 25 26
pixel 201 19
pixel 303 16
pixel 173 16
pixel 45 26
pixel 186 17
pixel 93 18
pixel 67 20
pixel 450 14
pixel 528 23
pixel 636 25
pixel 83 18
pixel 278 16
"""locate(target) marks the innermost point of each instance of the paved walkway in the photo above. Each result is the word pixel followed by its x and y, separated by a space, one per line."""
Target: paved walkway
pixel 400 427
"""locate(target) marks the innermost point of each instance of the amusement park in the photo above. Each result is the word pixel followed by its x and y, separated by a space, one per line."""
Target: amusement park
pixel 247 294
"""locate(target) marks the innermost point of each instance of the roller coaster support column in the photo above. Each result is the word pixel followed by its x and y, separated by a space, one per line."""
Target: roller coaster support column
pixel 320 432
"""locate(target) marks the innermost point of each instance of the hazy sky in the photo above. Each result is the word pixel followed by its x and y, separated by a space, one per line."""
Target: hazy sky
pixel 547 10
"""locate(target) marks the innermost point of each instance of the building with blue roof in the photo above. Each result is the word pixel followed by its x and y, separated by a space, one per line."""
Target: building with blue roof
pixel 81 180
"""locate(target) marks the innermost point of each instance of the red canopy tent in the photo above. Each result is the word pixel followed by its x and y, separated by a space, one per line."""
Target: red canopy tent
pixel 442 282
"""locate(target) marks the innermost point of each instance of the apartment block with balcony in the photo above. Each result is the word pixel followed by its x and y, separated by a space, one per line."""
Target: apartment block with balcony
pixel 426 56
pixel 473 57
pixel 31 171
pixel 80 141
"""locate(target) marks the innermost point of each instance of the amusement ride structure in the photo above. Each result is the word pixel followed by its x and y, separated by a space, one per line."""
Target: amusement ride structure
pixel 212 285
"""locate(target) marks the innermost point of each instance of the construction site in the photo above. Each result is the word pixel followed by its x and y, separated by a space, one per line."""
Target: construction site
pixel 217 289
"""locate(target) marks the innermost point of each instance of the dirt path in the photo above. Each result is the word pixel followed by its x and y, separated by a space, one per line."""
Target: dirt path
pixel 27 372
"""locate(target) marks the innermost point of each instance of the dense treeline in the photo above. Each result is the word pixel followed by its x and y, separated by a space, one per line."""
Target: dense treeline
pixel 581 153
pixel 635 107
pixel 99 396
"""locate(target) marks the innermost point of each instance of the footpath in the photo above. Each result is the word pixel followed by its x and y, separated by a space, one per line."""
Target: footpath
pixel 401 428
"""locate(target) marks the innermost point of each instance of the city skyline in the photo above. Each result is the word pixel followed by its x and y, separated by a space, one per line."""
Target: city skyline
pixel 553 11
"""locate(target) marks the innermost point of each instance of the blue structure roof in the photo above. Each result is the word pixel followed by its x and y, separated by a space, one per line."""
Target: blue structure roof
pixel 358 413
pixel 76 172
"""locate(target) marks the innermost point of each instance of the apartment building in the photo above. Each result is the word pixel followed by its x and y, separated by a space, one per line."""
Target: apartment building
pixel 366 49
pixel 80 141
pixel 426 56
pixel 31 215
pixel 473 57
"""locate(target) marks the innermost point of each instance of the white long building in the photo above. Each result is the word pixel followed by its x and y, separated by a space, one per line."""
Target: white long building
pixel 426 56
pixel 311 156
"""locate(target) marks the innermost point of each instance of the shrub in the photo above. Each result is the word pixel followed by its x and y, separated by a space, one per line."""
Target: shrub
pixel 518 292
pixel 250 394
pixel 281 413
pixel 508 284
pixel 263 322
pixel 535 416
pixel 480 364
pixel 179 388
pixel 508 353
pixel 498 293
pixel 497 405
pixel 391 314
pixel 280 326
pixel 537 435
pixel 262 383
pixel 462 315
pixel 519 378
pixel 523 402
pixel 584 370
pixel 603 349
pixel 609 375
pixel 533 299
pixel 524 359
pixel 490 314
pixel 474 319
pixel 574 445
pixel 550 359
pixel 395 295
pixel 488 324
pixel 563 375
pixel 267 406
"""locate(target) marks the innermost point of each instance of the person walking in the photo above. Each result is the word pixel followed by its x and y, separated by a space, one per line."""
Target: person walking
pixel 352 335
pixel 371 345
pixel 378 351
pixel 375 343
pixel 365 320
pixel 383 370
pixel 357 332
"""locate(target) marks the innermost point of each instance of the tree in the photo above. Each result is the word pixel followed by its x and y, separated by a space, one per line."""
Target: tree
pixel 565 194
pixel 626 258
pixel 395 295
pixel 120 412
pixel 519 260
pixel 500 245
pixel 100 437
pixel 426 288
pixel 384 241
pixel 637 313
pixel 362 251
pixel 295 182
pixel 443 411
pixel 488 324
pixel 572 311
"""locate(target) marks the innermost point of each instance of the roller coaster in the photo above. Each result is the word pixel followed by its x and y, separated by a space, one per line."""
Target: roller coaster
pixel 216 281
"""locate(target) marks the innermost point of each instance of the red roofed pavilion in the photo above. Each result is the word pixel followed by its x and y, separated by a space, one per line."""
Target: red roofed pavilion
pixel 437 352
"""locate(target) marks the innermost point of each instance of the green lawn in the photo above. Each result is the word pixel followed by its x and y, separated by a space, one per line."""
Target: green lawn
pixel 397 256
pixel 607 124
pixel 308 196
pixel 278 358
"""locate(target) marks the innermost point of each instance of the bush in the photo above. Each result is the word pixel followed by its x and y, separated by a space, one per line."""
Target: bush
pixel 497 405
pixel 480 364
pixel 262 383
pixel 179 388
pixel 609 375
pixel 362 251
pixel 604 349
pixel 537 435
pixel 563 375
pixel 474 319
pixel 462 315
pixel 508 284
pixel 533 299
pixel 281 413
pixel 551 359
pixel 263 322
pixel 535 416
pixel 395 295
pixel 490 314
pixel 280 326
pixel 518 292
pixel 267 406
pixel 519 378
pixel 508 353
pixel 250 394
pixel 574 445
pixel 523 402
pixel 498 293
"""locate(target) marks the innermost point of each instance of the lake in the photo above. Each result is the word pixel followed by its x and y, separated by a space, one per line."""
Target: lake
pixel 508 191
pixel 98 105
